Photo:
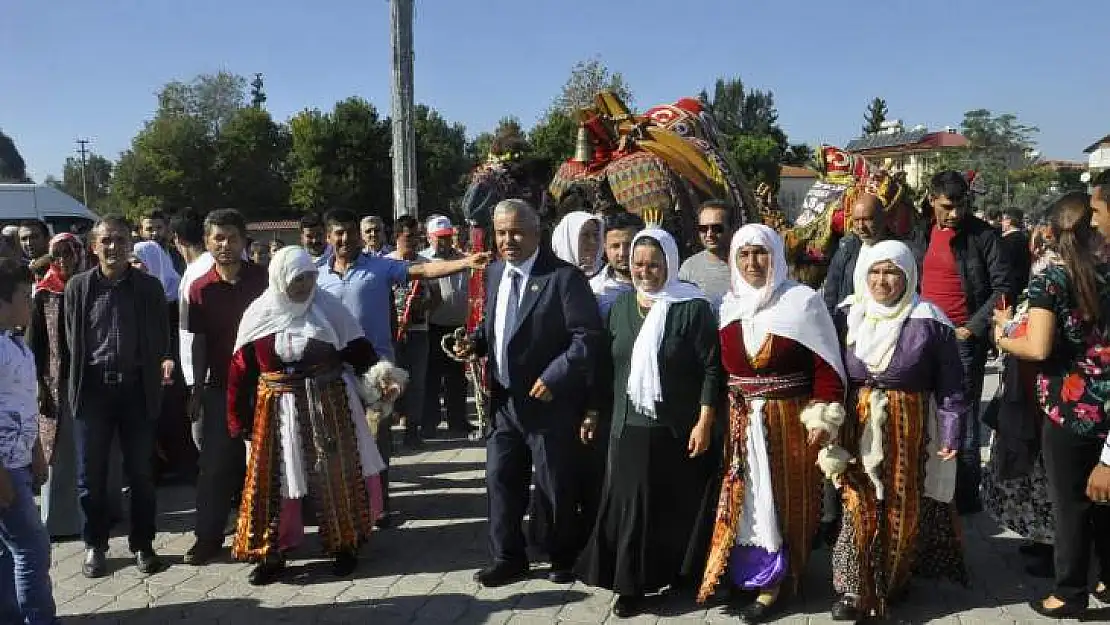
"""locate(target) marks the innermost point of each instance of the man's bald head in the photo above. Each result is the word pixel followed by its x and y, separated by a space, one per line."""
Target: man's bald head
pixel 868 219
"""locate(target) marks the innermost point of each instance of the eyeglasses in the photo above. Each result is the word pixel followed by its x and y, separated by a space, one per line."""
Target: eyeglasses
pixel 714 228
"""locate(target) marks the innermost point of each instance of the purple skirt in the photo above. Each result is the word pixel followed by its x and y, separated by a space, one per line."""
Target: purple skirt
pixel 753 567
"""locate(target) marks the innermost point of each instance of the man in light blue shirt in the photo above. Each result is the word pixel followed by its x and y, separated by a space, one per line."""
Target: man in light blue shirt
pixel 364 283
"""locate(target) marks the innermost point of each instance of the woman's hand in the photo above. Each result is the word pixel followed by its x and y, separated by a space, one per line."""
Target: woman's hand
pixel 1098 484
pixel 946 454
pixel 699 437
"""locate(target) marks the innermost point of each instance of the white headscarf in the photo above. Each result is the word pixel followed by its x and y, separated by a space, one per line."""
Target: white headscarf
pixel 644 387
pixel 159 264
pixel 874 328
pixel 564 240
pixel 781 306
pixel 321 316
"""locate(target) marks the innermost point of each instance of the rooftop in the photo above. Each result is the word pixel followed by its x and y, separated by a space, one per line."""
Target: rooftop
pixel 1097 144
pixel 791 171
pixel 907 141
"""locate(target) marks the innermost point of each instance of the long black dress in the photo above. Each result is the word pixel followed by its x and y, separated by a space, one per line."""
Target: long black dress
pixel 655 516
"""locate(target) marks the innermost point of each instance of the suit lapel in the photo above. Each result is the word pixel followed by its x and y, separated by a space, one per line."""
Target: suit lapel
pixel 533 289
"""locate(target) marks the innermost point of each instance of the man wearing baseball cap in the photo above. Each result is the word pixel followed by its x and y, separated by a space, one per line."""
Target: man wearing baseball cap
pixel 445 376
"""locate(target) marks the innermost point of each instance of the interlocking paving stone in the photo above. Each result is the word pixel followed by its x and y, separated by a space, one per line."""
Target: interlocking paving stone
pixel 422 572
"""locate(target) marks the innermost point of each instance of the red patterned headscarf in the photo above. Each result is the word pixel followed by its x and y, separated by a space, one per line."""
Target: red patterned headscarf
pixel 53 281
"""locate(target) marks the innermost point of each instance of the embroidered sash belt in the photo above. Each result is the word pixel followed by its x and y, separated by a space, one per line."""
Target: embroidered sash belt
pixel 771 386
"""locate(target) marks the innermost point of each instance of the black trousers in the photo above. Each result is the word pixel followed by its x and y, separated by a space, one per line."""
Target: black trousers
pixel 445 378
pixel 222 462
pixel 106 411
pixel 1068 460
pixel 511 452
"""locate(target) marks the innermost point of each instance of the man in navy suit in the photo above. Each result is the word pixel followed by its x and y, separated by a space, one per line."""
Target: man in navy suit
pixel 540 331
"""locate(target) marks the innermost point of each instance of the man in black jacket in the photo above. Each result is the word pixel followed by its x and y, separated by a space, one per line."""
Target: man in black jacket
pixel 965 274
pixel 118 336
pixel 1015 243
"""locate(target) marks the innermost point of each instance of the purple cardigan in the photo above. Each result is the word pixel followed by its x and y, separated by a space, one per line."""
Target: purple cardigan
pixel 926 359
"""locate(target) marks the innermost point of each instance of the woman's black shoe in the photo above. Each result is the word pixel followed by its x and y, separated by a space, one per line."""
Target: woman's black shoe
pixel 1042 568
pixel 345 563
pixel 757 612
pixel 267 571
pixel 1036 550
pixel 626 606
pixel 845 609
pixel 1065 610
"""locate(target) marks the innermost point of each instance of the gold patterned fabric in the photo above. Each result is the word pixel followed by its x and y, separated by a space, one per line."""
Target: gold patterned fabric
pixel 331 460
pixel 875 554
pixel 795 477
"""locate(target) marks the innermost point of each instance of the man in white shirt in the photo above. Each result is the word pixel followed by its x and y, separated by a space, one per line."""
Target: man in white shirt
pixel 616 278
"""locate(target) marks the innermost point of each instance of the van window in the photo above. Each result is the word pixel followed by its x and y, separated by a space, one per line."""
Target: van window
pixel 75 225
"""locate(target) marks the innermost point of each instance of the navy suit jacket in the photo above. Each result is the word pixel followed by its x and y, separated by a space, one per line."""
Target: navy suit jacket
pixel 557 332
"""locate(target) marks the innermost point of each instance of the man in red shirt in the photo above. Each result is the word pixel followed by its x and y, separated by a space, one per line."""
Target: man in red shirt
pixel 966 275
pixel 217 301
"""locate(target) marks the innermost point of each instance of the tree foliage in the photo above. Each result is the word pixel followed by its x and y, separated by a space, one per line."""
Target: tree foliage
pixel 553 138
pixel 875 116
pixel 12 167
pixel 441 161
pixel 98 178
pixel 586 79
pixel 754 141
pixel 341 159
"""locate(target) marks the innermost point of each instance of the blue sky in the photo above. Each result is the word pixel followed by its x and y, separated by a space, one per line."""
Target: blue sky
pixel 71 68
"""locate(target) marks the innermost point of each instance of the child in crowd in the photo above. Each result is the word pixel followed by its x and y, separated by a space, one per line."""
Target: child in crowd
pixel 26 595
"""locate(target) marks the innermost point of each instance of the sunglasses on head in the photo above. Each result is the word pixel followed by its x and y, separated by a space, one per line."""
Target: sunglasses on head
pixel 714 228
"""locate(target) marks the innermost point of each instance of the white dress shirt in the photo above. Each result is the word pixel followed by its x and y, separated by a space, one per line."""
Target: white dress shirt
pixel 200 266
pixel 501 340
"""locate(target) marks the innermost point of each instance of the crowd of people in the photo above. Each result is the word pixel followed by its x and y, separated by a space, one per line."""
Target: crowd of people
pixel 696 425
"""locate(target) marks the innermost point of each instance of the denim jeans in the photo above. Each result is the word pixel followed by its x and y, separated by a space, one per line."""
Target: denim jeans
pixel 26 595
pixel 973 356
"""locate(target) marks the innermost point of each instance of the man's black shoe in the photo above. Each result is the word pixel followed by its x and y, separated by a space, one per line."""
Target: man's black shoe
pixel 95 564
pixel 267 571
pixel 560 576
pixel 147 561
pixel 345 563
pixel 501 574
pixel 202 553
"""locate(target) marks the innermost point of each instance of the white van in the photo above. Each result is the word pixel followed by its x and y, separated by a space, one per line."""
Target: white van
pixel 40 201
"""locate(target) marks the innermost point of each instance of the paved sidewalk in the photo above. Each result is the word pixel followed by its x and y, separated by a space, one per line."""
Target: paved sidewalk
pixel 420 572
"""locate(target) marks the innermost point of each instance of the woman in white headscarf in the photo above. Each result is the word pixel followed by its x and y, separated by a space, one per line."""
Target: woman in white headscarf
pixel 292 395
pixel 786 388
pixel 577 240
pixel 652 524
pixel 176 452
pixel 906 401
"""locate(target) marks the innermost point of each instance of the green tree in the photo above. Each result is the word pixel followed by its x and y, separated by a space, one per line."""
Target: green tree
pixel 12 166
pixel 341 159
pixel 1000 150
pixel 441 161
pixel 249 166
pixel 169 166
pixel 748 122
pixel 211 98
pixel 507 137
pixel 553 138
pixel 875 116
pixel 587 78
pixel 98 178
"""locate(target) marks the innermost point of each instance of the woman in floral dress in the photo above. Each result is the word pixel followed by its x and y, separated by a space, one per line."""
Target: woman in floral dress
pixel 1015 485
pixel 1067 333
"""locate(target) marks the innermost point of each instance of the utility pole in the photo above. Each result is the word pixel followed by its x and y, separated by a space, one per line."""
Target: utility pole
pixel 402 124
pixel 82 149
